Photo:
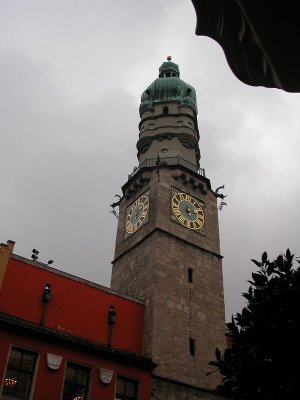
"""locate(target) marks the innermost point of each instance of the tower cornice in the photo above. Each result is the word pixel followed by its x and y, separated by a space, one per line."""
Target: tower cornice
pixel 140 173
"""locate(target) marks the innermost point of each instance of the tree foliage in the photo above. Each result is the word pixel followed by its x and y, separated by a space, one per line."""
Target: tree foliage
pixel 262 360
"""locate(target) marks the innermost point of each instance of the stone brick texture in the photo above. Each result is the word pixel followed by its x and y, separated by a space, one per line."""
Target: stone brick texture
pixel 167 390
pixel 153 264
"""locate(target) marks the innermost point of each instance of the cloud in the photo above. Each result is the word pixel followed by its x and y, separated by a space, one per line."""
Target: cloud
pixel 61 168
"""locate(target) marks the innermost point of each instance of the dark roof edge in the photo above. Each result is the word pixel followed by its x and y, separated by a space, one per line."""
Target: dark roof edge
pixel 14 323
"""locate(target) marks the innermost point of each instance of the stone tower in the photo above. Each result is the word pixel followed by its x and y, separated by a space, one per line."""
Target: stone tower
pixel 167 248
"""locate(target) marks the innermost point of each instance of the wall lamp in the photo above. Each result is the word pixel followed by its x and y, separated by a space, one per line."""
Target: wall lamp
pixel 46 293
pixel 112 316
pixel 46 296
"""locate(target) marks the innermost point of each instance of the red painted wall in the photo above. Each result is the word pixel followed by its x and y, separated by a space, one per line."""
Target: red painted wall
pixel 75 307
pixel 49 384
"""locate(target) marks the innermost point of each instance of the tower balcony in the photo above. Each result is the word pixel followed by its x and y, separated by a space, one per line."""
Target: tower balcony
pixel 167 161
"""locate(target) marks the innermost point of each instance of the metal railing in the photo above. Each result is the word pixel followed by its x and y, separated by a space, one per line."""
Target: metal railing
pixel 165 161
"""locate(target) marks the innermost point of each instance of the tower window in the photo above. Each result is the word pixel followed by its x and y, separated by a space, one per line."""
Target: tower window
pixel 190 275
pixel 192 347
pixel 166 110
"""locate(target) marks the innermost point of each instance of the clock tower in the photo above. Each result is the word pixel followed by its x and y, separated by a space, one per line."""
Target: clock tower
pixel 167 247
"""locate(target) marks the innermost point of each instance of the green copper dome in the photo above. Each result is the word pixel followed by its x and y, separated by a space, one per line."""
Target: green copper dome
pixel 168 69
pixel 168 87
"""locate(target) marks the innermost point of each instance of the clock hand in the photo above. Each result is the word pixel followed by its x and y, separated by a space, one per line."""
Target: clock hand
pixel 189 211
pixel 137 212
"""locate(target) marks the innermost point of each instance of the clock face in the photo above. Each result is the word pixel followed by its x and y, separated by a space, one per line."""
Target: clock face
pixel 137 214
pixel 187 210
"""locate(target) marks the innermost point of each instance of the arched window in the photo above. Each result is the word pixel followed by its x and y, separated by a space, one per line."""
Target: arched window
pixel 166 110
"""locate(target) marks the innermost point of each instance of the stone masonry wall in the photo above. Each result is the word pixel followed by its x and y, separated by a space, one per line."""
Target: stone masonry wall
pixel 167 390
pixel 153 265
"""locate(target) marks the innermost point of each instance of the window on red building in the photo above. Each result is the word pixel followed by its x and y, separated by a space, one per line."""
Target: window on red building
pixel 76 383
pixel 19 373
pixel 126 389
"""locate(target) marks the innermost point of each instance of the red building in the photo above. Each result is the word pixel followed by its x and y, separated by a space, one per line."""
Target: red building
pixel 63 337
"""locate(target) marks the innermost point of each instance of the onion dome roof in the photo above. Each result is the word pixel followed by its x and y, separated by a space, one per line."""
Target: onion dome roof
pixel 168 87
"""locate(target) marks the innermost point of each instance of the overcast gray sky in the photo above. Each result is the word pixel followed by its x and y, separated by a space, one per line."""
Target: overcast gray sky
pixel 71 76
